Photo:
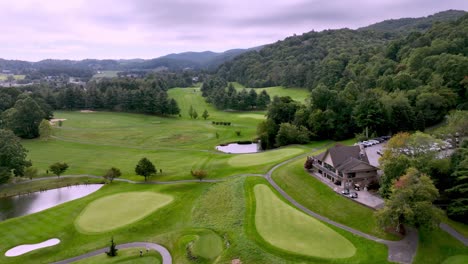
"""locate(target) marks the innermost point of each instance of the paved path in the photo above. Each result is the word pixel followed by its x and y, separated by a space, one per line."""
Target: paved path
pixel 454 233
pixel 401 251
pixel 166 256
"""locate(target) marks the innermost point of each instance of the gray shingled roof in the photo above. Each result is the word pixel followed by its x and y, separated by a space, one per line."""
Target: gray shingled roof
pixel 340 154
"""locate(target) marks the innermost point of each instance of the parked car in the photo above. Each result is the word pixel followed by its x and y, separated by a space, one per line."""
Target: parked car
pixel 353 195
pixel 373 141
pixel 345 192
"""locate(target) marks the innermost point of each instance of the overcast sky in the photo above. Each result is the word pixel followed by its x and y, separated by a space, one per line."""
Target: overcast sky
pixel 78 29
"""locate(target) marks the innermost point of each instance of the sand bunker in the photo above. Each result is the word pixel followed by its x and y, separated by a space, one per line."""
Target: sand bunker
pixel 87 111
pixel 22 249
pixel 55 120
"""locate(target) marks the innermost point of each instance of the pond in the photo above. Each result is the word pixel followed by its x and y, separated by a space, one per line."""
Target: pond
pixel 38 201
pixel 236 148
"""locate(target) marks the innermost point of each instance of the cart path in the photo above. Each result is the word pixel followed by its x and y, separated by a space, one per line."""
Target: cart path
pixel 166 256
pixel 402 251
pixel 454 233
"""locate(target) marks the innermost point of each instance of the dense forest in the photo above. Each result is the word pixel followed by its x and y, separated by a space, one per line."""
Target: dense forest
pixel 224 96
pixel 22 109
pixel 361 80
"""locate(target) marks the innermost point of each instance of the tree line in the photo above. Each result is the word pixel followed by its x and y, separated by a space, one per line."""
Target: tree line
pixel 224 96
pixel 362 81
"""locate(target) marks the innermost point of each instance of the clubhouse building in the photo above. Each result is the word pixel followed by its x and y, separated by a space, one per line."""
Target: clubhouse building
pixel 347 166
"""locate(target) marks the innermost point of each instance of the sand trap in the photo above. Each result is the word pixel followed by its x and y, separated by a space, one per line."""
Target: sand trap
pixel 22 249
pixel 55 120
pixel 87 111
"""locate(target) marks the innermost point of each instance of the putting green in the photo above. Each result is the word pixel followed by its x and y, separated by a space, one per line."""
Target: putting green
pixel 290 229
pixel 458 259
pixel 120 209
pixel 208 246
pixel 270 156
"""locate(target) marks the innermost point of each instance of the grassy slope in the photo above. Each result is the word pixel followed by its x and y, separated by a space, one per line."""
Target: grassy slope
pixel 59 222
pixel 319 198
pixel 297 94
pixel 290 229
pixel 129 255
pixel 436 246
pixel 363 246
pixel 102 215
pixel 208 246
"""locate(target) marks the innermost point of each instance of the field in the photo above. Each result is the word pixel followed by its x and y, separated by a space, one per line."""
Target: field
pixel 3 77
pixel 289 229
pixel 105 74
pixel 93 142
pixel 237 217
pixel 297 94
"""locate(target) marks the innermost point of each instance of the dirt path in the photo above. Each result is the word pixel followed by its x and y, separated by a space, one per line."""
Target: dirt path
pixel 166 256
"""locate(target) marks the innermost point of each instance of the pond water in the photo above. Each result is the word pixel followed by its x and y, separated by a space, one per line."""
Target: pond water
pixel 22 249
pixel 38 201
pixel 239 148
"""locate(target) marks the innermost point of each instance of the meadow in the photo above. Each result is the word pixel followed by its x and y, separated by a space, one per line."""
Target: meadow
pixel 239 217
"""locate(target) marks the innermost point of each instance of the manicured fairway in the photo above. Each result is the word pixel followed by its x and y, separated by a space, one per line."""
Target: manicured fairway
pixel 297 94
pixel 287 228
pixel 263 157
pixel 459 259
pixel 320 198
pixel 117 210
pixel 208 246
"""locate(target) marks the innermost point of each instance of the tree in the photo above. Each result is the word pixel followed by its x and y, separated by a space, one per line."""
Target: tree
pixel 458 193
pixel 12 155
pixel 291 134
pixel 145 168
pixel 45 129
pixel 58 168
pixel 411 203
pixel 195 114
pixel 24 118
pixel 112 249
pixel 199 174
pixel 30 172
pixel 190 112
pixel 112 173
pixel 205 114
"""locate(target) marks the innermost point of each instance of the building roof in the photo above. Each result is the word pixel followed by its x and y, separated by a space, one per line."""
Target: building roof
pixel 345 158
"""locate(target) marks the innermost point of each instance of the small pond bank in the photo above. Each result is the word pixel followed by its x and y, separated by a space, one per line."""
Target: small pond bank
pixel 16 206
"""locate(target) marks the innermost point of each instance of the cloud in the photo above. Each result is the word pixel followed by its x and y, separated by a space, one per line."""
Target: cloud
pixel 77 29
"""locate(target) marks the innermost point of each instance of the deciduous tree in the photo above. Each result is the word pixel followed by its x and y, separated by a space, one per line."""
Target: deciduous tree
pixel 145 168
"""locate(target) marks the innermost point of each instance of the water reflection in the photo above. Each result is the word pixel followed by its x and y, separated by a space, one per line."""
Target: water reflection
pixel 39 201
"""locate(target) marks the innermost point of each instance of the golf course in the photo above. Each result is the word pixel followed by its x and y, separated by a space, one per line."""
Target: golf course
pixel 234 215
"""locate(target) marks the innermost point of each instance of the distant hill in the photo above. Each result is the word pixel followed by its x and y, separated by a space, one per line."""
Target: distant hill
pixel 197 60
pixel 405 25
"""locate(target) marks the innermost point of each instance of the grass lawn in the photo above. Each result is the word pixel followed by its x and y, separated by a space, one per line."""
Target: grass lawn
pixel 127 255
pixel 319 198
pixel 297 94
pixel 437 246
pixel 118 210
pixel 290 229
pixel 459 259
pixel 264 157
pixel 91 143
pixel 207 246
